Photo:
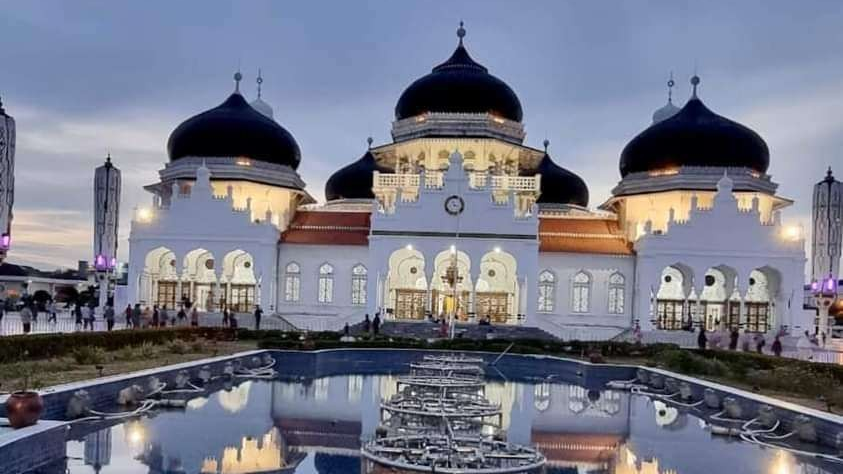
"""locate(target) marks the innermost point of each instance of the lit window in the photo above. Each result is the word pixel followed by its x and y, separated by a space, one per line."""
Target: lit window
pixel 292 282
pixel 582 292
pixel 358 285
pixel 547 290
pixel 616 293
pixel 326 284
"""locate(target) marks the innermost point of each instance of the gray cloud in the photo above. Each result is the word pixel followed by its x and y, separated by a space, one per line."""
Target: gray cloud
pixel 86 77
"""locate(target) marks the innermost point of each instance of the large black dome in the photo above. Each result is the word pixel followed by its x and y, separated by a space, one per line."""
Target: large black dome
pixel 236 129
pixel 459 85
pixel 558 185
pixel 695 136
pixel 354 181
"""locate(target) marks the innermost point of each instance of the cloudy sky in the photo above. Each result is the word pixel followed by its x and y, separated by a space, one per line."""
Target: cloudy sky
pixel 84 78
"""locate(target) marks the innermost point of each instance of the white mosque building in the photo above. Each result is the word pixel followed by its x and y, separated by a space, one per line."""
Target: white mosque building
pixel 456 216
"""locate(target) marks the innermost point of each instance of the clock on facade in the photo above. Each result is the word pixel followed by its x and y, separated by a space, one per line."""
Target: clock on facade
pixel 454 205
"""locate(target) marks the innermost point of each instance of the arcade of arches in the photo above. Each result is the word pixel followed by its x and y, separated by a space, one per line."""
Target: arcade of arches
pixel 416 287
pixel 723 299
pixel 200 280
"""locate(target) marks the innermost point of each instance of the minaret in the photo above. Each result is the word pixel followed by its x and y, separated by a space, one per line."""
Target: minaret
pixel 828 228
pixel 7 179
pixel 106 222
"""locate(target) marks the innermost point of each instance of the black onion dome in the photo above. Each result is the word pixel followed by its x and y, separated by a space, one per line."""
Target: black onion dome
pixel 459 85
pixel 354 181
pixel 695 136
pixel 234 128
pixel 558 185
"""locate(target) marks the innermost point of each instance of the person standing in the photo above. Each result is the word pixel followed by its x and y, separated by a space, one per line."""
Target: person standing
pixel 376 324
pixel 777 347
pixel 194 317
pixel 734 335
pixel 702 339
pixel 77 315
pixel 136 316
pixel 181 315
pixel 759 343
pixel 52 312
pixel 366 323
pixel 108 314
pixel 165 317
pixel 156 316
pixel 258 315
pixel 128 314
pixel 225 316
pixel 26 319
pixel 89 318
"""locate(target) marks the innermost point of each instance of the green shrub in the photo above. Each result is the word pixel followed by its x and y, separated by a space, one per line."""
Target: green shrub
pixel 178 347
pixel 45 346
pixel 88 355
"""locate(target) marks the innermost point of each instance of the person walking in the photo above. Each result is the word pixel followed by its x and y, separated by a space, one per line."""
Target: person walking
pixel 225 316
pixel 258 315
pixel 108 314
pixel 156 316
pixel 366 323
pixel 376 324
pixel 194 317
pixel 702 339
pixel 52 312
pixel 777 347
pixel 181 315
pixel 128 314
pixel 89 318
pixel 26 319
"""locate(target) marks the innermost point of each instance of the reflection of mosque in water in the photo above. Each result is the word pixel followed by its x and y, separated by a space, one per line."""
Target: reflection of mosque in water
pixel 320 424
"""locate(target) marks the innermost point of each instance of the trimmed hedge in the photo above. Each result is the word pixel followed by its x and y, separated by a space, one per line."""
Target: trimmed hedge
pixel 45 346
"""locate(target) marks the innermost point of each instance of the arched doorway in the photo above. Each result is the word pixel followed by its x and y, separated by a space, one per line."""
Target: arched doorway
pixel 200 276
pixel 758 301
pixel 718 304
pixel 445 300
pixel 406 285
pixel 671 309
pixel 238 274
pixel 159 282
pixel 496 288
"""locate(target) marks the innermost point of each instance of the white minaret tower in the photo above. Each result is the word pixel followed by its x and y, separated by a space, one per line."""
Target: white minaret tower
pixel 7 179
pixel 828 228
pixel 106 222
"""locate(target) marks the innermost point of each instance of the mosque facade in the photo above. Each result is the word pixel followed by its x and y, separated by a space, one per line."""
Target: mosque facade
pixel 457 217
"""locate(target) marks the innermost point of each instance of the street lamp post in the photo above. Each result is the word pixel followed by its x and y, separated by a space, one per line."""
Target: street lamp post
pixel 825 294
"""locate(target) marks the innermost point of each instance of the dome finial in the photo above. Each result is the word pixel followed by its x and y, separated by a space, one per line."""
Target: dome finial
pixel 369 141
pixel 828 175
pixel 461 32
pixel 259 80
pixel 670 84
pixel 237 78
pixel 695 81
pixel 546 143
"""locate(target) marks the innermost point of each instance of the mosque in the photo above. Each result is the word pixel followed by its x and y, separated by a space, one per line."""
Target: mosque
pixel 457 217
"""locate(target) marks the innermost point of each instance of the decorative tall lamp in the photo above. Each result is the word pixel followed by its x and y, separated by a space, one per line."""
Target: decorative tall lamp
pixel 7 180
pixel 106 222
pixel 825 294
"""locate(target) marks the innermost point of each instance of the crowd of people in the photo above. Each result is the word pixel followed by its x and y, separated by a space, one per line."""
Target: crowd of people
pixel 754 341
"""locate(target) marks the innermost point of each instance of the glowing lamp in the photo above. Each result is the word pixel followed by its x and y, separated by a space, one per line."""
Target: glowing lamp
pixel 792 232
pixel 144 214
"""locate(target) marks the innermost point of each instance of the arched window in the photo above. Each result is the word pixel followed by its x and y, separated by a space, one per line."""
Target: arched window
pixel 358 285
pixel 547 290
pixel 616 293
pixel 326 284
pixel 292 282
pixel 582 292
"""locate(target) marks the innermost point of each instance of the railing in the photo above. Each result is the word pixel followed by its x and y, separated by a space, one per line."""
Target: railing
pixel 476 180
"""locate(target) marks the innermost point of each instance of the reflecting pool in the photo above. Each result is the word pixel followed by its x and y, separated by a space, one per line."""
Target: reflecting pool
pixel 314 426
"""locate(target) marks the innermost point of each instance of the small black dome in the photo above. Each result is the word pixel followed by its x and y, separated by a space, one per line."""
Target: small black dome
pixel 234 128
pixel 695 136
pixel 459 85
pixel 558 185
pixel 354 181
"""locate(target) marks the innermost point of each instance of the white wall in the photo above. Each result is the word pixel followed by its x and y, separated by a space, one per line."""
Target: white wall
pixel 308 313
